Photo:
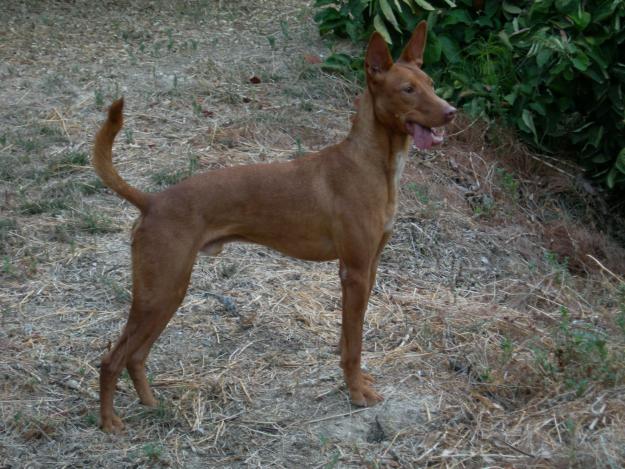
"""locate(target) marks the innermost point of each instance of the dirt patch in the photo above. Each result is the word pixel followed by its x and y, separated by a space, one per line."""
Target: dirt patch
pixel 488 349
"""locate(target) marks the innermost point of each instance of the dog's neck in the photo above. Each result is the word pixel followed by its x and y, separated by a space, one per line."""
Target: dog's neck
pixel 374 141
pixel 381 146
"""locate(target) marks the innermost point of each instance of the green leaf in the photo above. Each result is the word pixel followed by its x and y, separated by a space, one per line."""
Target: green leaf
pixel 539 108
pixel 581 19
pixel 457 16
pixel 433 49
pixel 512 9
pixel 620 161
pixel 567 6
pixel 580 61
pixel 379 26
pixel 505 39
pixel 424 5
pixel 609 180
pixel 601 158
pixel 388 13
pixel 450 49
pixel 543 57
pixel 528 120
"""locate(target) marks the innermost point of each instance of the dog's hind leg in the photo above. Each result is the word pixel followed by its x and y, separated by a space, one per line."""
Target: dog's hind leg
pixel 161 276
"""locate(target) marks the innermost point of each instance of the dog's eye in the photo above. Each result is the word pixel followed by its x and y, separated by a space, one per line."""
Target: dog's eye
pixel 408 89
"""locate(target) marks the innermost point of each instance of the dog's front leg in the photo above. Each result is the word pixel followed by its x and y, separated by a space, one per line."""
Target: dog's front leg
pixel 355 283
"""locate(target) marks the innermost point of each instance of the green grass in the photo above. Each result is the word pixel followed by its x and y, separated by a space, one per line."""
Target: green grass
pixel 7 225
pixel 582 355
pixel 420 191
pixel 92 222
pixel 166 178
pixel 51 206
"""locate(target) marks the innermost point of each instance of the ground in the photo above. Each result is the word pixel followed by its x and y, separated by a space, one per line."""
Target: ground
pixel 491 347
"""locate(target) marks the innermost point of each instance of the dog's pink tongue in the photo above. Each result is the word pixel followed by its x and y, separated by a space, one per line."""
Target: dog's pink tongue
pixel 423 137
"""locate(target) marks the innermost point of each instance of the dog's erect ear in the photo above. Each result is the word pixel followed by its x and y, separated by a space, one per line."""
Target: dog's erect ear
pixel 378 58
pixel 413 52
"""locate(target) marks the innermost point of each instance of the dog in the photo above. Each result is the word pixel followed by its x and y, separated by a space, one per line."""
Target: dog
pixel 338 203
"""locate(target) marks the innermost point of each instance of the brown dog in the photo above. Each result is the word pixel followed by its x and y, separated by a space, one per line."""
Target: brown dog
pixel 337 203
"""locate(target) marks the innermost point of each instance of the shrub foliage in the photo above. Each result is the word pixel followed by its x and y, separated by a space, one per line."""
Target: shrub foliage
pixel 554 69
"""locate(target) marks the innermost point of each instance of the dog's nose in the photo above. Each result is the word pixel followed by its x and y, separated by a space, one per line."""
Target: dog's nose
pixel 450 113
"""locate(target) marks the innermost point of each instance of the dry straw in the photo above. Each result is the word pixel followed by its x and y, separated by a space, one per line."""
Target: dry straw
pixel 467 326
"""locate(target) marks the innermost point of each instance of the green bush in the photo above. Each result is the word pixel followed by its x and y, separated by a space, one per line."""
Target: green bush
pixel 554 69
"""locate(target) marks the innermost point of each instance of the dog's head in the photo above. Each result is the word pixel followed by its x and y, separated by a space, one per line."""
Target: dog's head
pixel 403 95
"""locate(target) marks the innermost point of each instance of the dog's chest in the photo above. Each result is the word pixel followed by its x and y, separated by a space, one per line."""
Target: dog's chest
pixel 395 177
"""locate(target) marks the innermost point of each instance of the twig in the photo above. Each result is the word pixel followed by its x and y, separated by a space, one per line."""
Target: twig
pixel 330 417
pixel 606 269
pixel 513 447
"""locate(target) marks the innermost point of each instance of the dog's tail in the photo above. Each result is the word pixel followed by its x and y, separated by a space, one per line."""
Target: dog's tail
pixel 103 158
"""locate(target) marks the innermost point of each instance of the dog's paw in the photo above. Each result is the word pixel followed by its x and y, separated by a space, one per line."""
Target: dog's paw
pixel 112 425
pixel 361 392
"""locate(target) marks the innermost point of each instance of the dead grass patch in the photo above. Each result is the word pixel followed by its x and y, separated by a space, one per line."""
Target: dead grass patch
pixel 489 348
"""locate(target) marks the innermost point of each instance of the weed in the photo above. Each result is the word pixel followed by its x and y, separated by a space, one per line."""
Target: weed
pixel 50 132
pixel 162 412
pixel 560 267
pixel 6 226
pixel 334 460
pixel 482 205
pixel 197 108
pixel 52 205
pixel 620 316
pixel 67 164
pixel 98 96
pixel 91 419
pixel 620 319
pixel 194 162
pixel 486 376
pixel 170 40
pixel 120 293
pixel 509 183
pixel 306 106
pixel 272 42
pixel 129 136
pixel 28 145
pixel 227 270
pixel 284 27
pixel 507 348
pixel 156 48
pixel 153 451
pixel 580 356
pixel 74 158
pixel 299 150
pixel 7 267
pixel 421 192
pixel 94 223
pixel 89 188
pixel 167 178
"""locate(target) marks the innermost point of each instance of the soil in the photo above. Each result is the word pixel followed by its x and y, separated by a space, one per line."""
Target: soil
pixel 466 330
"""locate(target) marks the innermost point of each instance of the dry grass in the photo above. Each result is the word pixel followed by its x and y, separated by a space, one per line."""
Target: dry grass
pixel 489 350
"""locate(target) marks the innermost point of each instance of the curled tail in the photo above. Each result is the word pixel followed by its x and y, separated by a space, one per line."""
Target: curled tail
pixel 103 158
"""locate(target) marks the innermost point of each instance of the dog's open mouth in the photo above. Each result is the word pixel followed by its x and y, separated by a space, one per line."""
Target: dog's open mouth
pixel 425 137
